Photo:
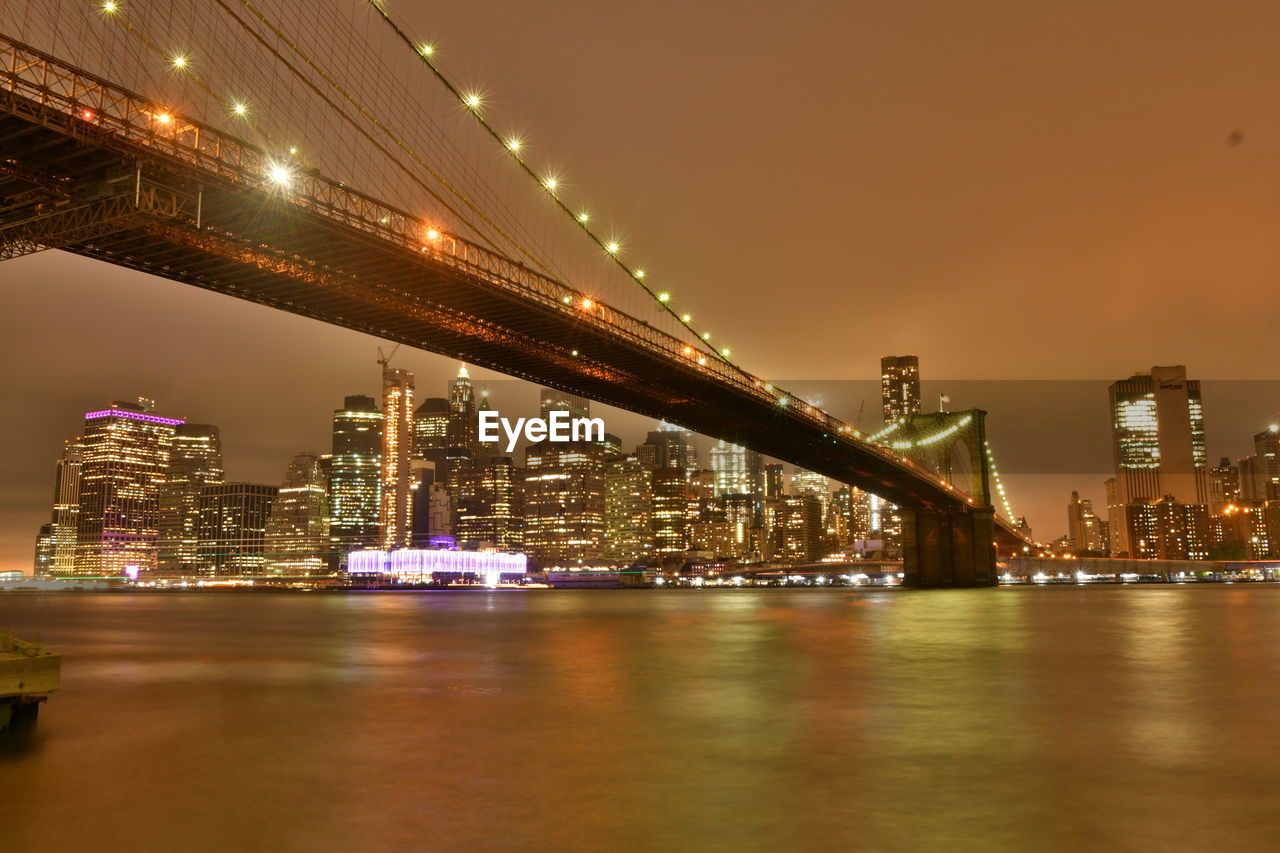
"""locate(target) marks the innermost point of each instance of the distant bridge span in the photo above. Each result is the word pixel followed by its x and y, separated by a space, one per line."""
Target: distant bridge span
pixel 99 171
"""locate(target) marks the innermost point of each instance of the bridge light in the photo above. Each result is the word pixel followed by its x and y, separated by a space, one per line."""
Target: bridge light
pixel 239 108
pixel 279 174
pixel 587 304
pixel 426 49
pixel 163 118
pixel 566 299
pixel 87 115
pixel 706 336
pixel 472 100
pixel 551 182
pixel 702 360
pixel 179 61
pixel 612 247
pixel 664 297
pixel 513 144
pixel 639 273
pixel 584 217
pixel 687 350
pixel 292 150
pixel 686 318
pixel 782 401
pixel 574 353
pixel 433 234
pixel 110 7
pixel 725 352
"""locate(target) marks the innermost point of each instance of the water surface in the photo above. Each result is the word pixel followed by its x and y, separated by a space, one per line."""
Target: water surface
pixel 1133 718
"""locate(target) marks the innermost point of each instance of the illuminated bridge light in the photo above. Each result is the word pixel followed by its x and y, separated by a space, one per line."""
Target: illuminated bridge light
pixel 427 49
pixel 551 182
pixel 587 304
pixel 566 299
pixel 584 217
pixel 613 247
pixel 688 350
pixel 433 234
pixel 110 7
pixel 239 108
pixel 664 297
pixel 702 360
pixel 292 150
pixel 163 118
pixel 279 174
pixel 514 144
pixel 87 115
pixel 725 352
pixel 639 273
pixel 472 100
pixel 179 61
pixel 706 336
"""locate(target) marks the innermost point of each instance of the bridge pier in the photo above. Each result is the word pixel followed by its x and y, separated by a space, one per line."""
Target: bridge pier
pixel 948 549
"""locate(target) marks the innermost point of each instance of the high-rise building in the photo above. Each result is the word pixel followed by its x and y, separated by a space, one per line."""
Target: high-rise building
pixel 1158 445
pixel 233 529
pixel 490 505
pixel 732 465
pixel 1224 486
pixel 740 513
pixel 899 386
pixel 774 481
pixel 44 551
pixel 628 497
pixel 431 431
pixel 125 457
pixel 395 518
pixel 195 461
pixel 297 532
pixel 564 502
pixel 799 528
pixel 669 516
pixel 355 475
pixel 1084 527
pixel 64 527
pixel 463 425
pixel 1259 474
pixel 669 447
pixel 432 510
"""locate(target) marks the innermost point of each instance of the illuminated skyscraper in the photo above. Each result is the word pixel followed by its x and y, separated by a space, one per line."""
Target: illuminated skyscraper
pixel 463 424
pixel 899 386
pixel 65 524
pixel 1157 429
pixel 774 481
pixel 799 528
pixel 355 475
pixel 126 454
pixel 490 505
pixel 233 529
pixel 1084 528
pixel 732 469
pixel 395 520
pixel 431 431
pixel 1224 486
pixel 564 502
pixel 297 533
pixel 195 461
pixel 669 517
pixel 44 551
pixel 669 446
pixel 627 505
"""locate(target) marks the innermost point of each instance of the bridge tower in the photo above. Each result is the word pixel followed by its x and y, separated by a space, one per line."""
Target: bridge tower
pixel 953 548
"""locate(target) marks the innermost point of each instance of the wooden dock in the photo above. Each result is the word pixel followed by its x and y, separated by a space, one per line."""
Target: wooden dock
pixel 28 674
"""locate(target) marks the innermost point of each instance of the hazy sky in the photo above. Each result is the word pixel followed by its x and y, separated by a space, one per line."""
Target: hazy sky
pixel 1011 190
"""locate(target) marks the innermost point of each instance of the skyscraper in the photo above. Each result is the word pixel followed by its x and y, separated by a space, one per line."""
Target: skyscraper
pixel 431 431
pixel 799 528
pixel 125 457
pixel 355 475
pixel 899 386
pixel 395 518
pixel 1157 428
pixel 463 425
pixel 564 502
pixel 669 517
pixel 490 505
pixel 627 505
pixel 297 532
pixel 732 469
pixel 195 461
pixel 233 529
pixel 1084 528
pixel 1224 486
pixel 669 446
pixel 64 527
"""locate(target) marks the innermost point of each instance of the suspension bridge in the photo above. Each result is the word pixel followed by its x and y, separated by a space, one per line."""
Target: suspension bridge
pixel 117 143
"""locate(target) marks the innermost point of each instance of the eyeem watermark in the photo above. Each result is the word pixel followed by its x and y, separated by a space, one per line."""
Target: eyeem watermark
pixel 560 426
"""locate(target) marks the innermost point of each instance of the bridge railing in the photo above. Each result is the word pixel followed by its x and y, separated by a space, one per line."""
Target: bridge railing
pixel 93 109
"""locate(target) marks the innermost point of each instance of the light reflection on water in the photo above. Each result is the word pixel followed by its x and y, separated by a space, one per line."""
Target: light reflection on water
pixel 1013 719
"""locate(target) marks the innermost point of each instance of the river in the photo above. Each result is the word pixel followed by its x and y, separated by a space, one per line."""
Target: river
pixel 1065 718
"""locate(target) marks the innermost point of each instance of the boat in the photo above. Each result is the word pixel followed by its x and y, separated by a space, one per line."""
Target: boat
pixel 28 674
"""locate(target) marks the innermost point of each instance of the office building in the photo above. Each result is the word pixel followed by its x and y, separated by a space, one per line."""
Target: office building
pixel 195 461
pixel 355 475
pixel 125 457
pixel 233 529
pixel 395 518
pixel 628 500
pixel 297 532
pixel 899 386
pixel 490 506
pixel 564 503
pixel 64 527
pixel 1085 531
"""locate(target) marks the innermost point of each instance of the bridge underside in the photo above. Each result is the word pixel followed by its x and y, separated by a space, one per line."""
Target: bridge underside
pixel 74 186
